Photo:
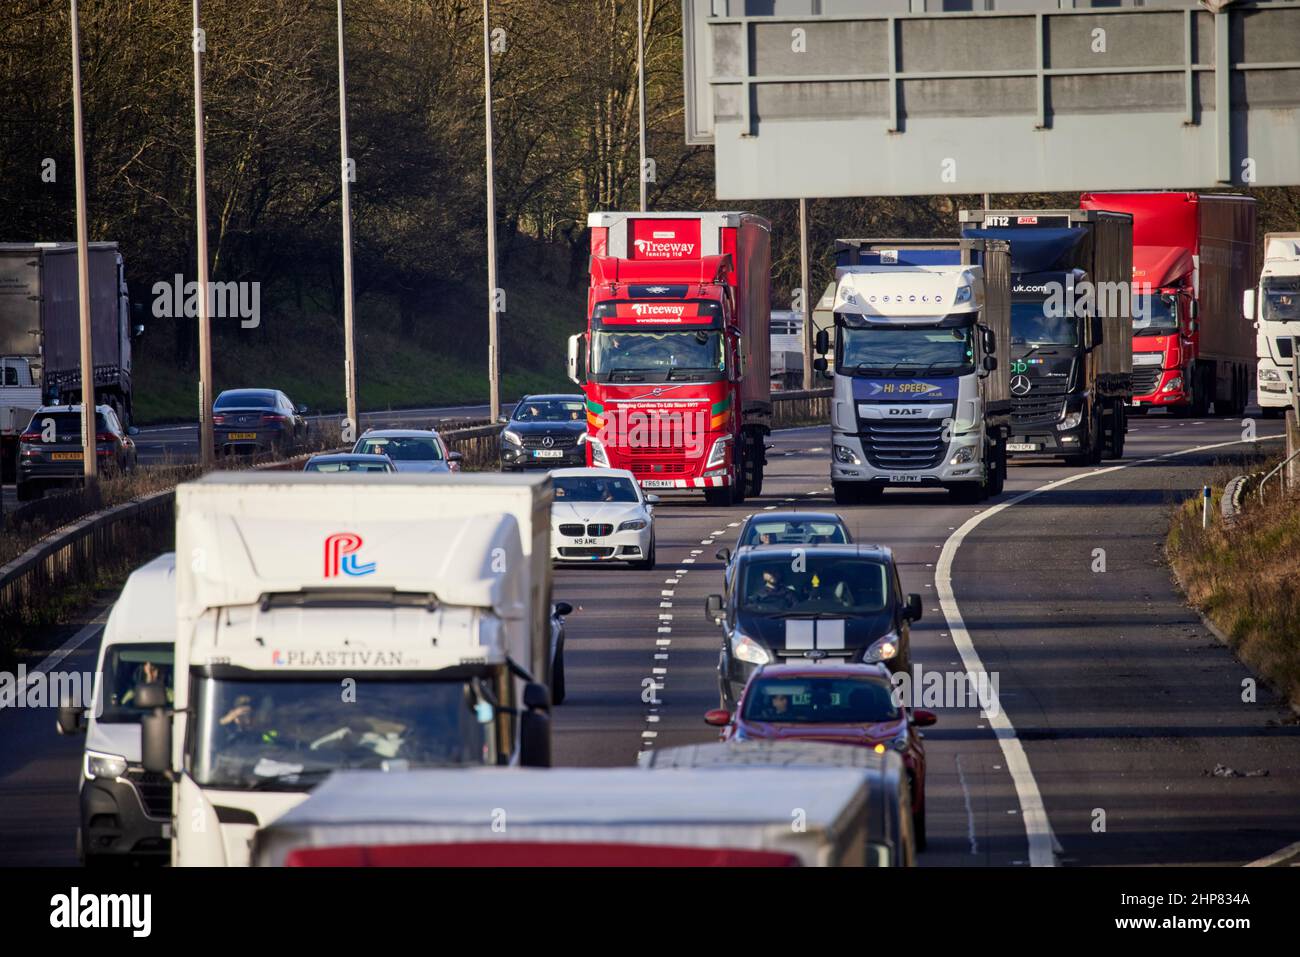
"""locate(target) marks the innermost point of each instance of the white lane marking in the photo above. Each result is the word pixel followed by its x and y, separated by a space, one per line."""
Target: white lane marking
pixel 649 734
pixel 666 593
pixel 697 551
pixel 1043 844
pixel 652 718
pixel 663 642
pixel 665 604
pixel 666 630
pixel 768 508
pixel 970 813
pixel 1277 857
pixel 686 561
pixel 55 657
pixel 659 671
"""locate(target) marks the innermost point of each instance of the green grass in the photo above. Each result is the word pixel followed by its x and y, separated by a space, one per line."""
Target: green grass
pixel 302 354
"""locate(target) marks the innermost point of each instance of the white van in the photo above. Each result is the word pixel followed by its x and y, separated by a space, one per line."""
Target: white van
pixel 126 811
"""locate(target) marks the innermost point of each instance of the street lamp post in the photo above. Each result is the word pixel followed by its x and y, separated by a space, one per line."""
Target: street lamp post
pixel 206 449
pixel 494 385
pixel 89 456
pixel 349 346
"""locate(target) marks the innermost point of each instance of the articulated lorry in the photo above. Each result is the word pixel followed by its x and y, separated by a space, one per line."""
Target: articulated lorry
pixel 676 368
pixel 1071 369
pixel 921 327
pixel 40 334
pixel 1275 310
pixel 1193 257
pixel 386 622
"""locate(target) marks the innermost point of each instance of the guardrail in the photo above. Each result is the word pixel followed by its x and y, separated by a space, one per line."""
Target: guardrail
pixel 1230 503
pixel 1281 479
pixel 812 407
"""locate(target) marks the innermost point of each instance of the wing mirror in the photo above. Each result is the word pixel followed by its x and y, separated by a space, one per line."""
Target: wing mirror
pixel 924 719
pixel 718 717
pixel 723 554
pixel 820 364
pixel 713 609
pixel 563 608
pixel 70 719
pixel 652 499
pixel 913 607
pixel 1248 305
pixel 990 363
pixel 822 342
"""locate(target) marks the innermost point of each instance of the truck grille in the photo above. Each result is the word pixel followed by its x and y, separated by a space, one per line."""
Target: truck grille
pixel 575 530
pixel 155 792
pixel 1145 379
pixel 1043 404
pixel 903 445
pixel 562 440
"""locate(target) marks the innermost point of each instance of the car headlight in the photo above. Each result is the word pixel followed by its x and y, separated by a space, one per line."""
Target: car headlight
pixel 746 649
pixel 1269 375
pixel 511 436
pixel 900 742
pixel 964 454
pixel 632 525
pixel 846 456
pixel 882 650
pixel 718 454
pixel 100 765
pixel 1071 420
pixel 1173 384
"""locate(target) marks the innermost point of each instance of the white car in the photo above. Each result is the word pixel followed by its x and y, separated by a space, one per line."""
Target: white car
pixel 601 515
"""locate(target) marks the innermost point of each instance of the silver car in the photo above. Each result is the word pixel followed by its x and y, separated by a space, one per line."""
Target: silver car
pixel 411 450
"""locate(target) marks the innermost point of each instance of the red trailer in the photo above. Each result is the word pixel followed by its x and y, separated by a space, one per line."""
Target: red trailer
pixel 1193 256
pixel 676 360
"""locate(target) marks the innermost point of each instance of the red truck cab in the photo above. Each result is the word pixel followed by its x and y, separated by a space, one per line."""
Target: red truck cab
pixel 675 371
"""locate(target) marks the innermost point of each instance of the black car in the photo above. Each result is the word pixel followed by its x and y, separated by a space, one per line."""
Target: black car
pixel 249 421
pixel 545 431
pixel 50 450
pixel 830 603
pixel 787 528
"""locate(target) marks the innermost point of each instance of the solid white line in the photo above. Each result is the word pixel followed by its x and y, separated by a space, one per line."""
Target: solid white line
pixel 1038 829
pixel 92 628
pixel 1277 857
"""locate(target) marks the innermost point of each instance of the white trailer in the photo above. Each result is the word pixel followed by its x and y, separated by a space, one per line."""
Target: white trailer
pixel 577 817
pixel 381 621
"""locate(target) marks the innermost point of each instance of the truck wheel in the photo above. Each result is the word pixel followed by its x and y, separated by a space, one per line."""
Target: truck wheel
pixel 1098 445
pixel 1115 435
pixel 720 497
pixel 998 473
pixel 967 493
pixel 1272 413
pixel 1200 391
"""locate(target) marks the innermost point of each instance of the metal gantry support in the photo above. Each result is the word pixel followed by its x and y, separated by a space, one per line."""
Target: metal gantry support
pixel 206 449
pixel 640 95
pixel 349 342
pixel 89 456
pixel 804 292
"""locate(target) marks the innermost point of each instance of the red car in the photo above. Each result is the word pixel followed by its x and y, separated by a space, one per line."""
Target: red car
pixel 842 704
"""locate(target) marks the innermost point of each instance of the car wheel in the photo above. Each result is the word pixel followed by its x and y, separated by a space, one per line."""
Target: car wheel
pixel 918 828
pixel 25 491
pixel 649 561
pixel 557 679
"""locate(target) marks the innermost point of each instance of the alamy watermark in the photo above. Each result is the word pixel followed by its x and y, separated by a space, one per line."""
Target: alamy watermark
pixel 226 300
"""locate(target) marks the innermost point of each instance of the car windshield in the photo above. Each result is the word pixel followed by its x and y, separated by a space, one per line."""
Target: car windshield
pixel 820 700
pixel 906 351
pixel 594 488
pixel 800 583
pixel 126 666
pixel 402 448
pixel 273 734
pixel 551 410
pixel 1030 325
pixel 65 425
pixel 794 532
pixel 1282 299
pixel 245 399
pixel 346 465
pixel 1154 315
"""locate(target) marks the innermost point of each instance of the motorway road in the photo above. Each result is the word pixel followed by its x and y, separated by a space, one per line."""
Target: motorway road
pixel 1116 703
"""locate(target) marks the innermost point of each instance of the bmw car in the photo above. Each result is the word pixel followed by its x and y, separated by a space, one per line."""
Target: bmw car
pixel 830 604
pixel 601 515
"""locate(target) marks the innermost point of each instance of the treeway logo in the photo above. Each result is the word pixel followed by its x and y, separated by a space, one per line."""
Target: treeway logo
pixel 74 910
pixel 649 247
pixel 654 309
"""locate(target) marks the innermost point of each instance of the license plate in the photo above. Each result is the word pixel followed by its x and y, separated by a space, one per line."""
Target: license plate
pixel 584 541
pixel 656 483
pixel 1022 447
pixel 904 479
pixel 547 453
pixel 66 456
pixel 241 435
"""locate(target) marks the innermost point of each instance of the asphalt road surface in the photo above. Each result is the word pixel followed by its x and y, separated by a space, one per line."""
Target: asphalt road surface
pixel 1116 705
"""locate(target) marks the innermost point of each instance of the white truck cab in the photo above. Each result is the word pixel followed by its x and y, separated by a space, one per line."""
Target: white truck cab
pixel 1275 309
pixel 383 622
pixel 126 810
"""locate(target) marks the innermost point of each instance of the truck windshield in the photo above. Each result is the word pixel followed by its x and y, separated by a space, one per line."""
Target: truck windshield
pixel 1282 299
pixel 657 356
pixel 904 351
pixel 1031 326
pixel 290 734
pixel 1153 315
pixel 833 585
pixel 126 666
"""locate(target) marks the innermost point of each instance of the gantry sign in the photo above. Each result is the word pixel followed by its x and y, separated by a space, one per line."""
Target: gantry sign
pixel 875 101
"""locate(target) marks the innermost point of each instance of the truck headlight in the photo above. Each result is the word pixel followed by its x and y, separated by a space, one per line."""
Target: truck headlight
pixel 1071 420
pixel 846 456
pixel 598 456
pixel 718 454
pixel 1173 384
pixel 882 649
pixel 511 437
pixel 964 454
pixel 97 764
pixel 632 525
pixel 1269 375
pixel 746 649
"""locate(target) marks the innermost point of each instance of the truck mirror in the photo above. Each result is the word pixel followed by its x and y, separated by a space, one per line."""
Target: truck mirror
pixel 536 697
pixel 1248 305
pixel 156 741
pixel 822 342
pixel 573 358
pixel 563 608
pixel 70 719
pixel 713 609
pixel 535 738
pixel 989 340
pixel 990 363
pixel 820 364
pixel 1098 333
pixel 150 696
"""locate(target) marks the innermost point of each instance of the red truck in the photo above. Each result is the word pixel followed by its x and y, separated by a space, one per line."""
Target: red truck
pixel 676 361
pixel 1193 254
